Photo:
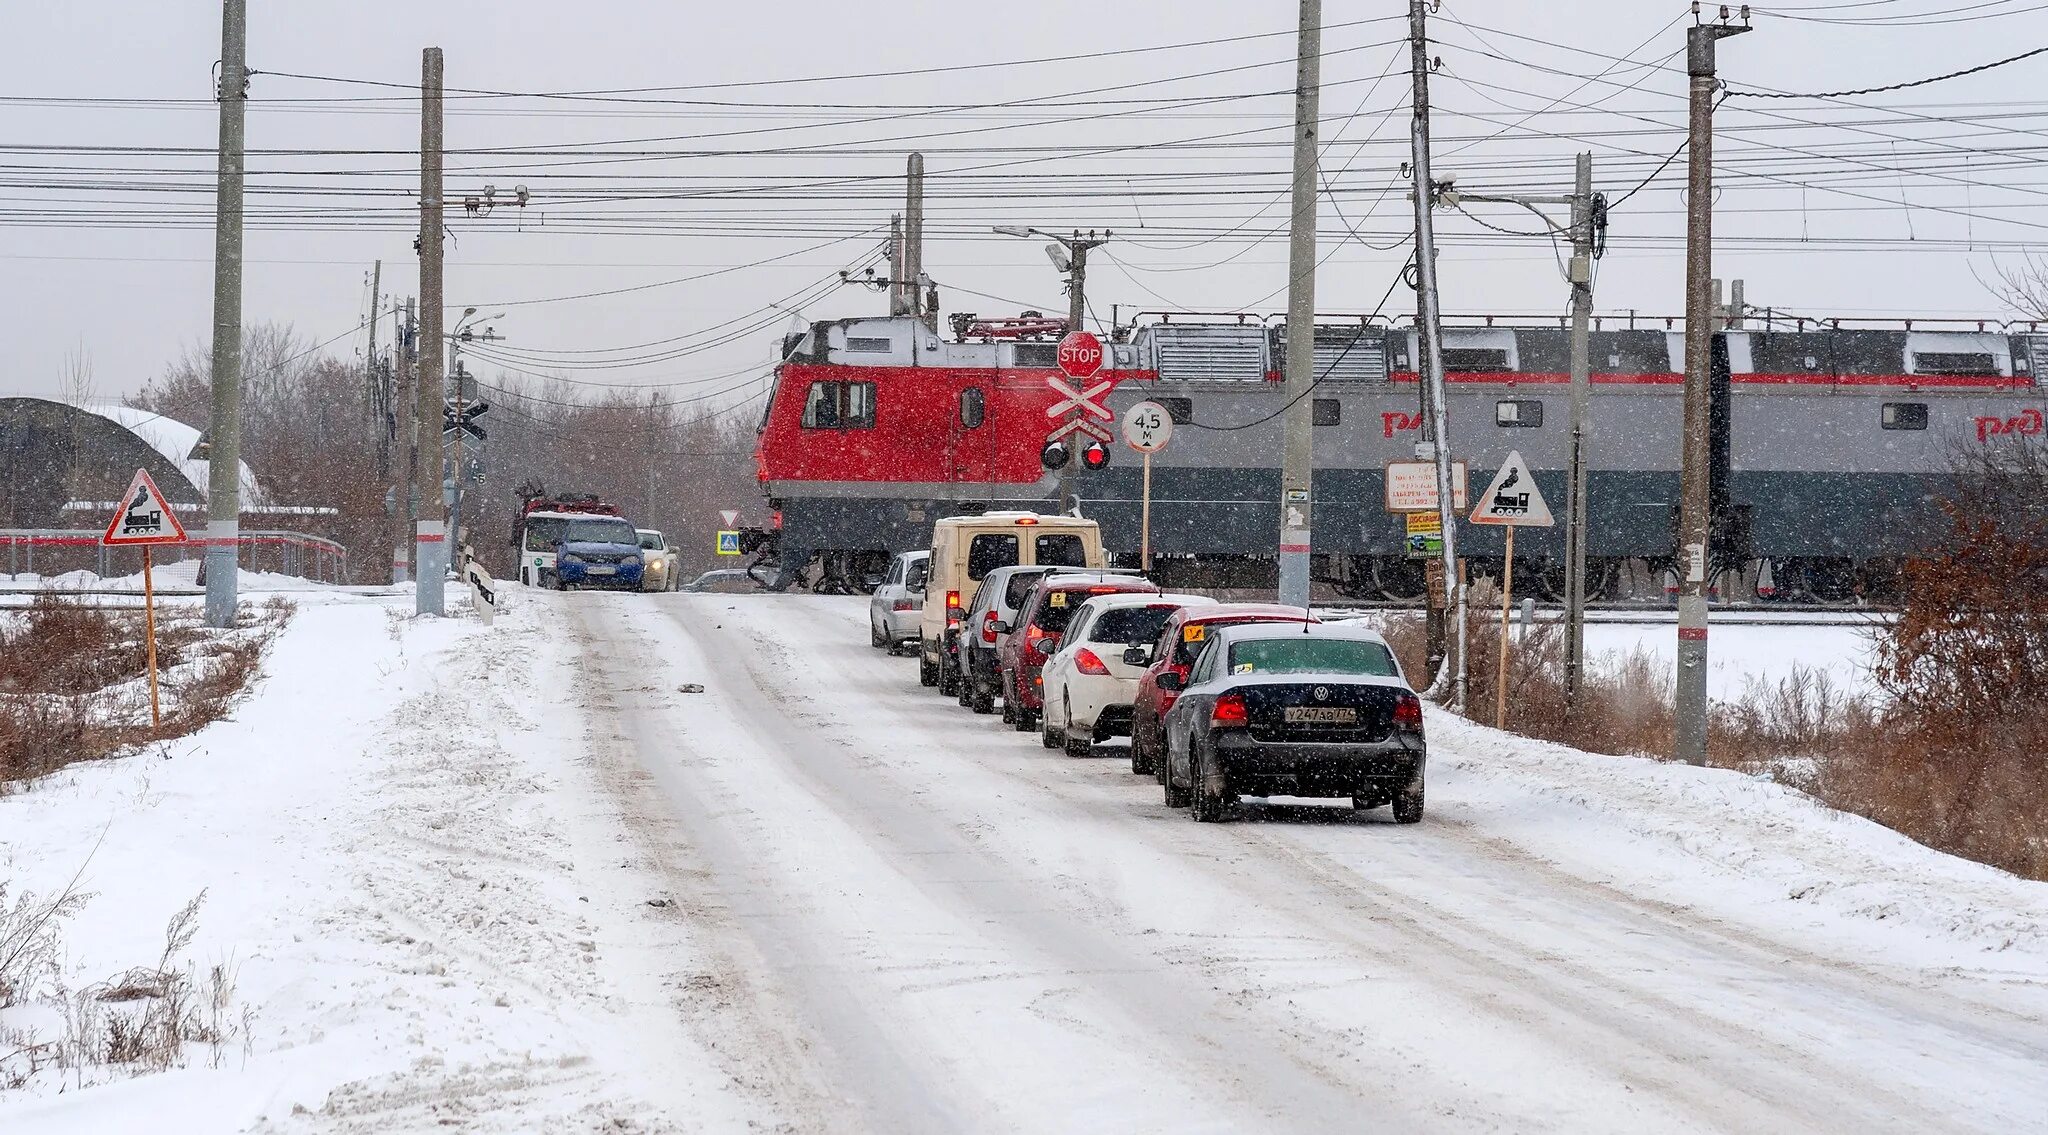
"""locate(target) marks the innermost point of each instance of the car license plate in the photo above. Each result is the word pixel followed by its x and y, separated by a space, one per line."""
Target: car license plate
pixel 1319 715
pixel 603 569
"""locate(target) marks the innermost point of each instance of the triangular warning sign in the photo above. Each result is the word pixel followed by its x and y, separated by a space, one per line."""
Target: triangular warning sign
pixel 731 516
pixel 1512 498
pixel 144 516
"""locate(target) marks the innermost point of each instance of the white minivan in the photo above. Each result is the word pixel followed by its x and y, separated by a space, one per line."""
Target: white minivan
pixel 967 548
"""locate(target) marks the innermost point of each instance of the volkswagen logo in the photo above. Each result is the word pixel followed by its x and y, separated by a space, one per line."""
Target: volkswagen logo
pixel 1322 693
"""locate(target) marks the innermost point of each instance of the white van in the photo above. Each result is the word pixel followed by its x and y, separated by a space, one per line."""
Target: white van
pixel 966 548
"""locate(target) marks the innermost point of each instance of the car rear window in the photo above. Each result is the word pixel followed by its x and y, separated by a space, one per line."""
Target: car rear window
pixel 989 551
pixel 1311 655
pixel 1131 624
pixel 1194 634
pixel 1057 609
pixel 1020 585
pixel 1063 549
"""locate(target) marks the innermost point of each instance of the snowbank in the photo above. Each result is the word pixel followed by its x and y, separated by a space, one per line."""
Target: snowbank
pixel 1741 847
pixel 412 874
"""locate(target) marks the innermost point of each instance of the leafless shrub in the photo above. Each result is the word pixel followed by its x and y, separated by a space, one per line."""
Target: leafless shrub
pixel 29 935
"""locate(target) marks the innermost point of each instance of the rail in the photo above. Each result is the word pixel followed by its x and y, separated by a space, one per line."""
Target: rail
pixel 322 559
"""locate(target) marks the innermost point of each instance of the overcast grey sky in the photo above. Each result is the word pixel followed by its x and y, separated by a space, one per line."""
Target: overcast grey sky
pixel 1887 204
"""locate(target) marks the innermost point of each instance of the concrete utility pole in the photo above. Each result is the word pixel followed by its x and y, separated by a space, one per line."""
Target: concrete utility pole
pixel 430 536
pixel 913 235
pixel 1695 523
pixel 405 408
pixel 1584 209
pixel 224 439
pixel 899 290
pixel 1069 254
pixel 1297 455
pixel 1430 335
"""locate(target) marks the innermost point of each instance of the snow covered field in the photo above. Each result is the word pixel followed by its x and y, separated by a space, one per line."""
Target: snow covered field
pixel 700 862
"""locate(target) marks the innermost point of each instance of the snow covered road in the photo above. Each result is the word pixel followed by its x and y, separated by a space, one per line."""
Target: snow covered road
pixel 923 921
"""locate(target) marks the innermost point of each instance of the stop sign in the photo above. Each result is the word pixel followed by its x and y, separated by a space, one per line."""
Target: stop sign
pixel 1080 355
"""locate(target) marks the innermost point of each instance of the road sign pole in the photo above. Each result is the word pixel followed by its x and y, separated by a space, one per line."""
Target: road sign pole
pixel 1507 599
pixel 1145 517
pixel 156 713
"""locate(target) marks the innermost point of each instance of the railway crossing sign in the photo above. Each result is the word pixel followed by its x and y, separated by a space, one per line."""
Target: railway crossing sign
pixel 144 517
pixel 1080 355
pixel 1147 427
pixel 1077 425
pixel 1087 401
pixel 729 543
pixel 453 419
pixel 1513 499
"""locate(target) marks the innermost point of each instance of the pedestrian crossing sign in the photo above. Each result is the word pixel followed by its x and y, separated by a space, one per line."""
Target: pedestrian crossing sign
pixel 729 542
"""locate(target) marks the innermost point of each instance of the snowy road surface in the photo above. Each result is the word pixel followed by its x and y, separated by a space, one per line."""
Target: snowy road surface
pixel 654 863
pixel 930 923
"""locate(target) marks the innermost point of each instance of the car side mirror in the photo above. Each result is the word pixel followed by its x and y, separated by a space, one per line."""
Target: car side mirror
pixel 1135 655
pixel 1001 628
pixel 1172 683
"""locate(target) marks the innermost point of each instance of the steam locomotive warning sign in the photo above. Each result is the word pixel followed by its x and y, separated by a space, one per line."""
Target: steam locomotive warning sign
pixel 144 517
pixel 1512 498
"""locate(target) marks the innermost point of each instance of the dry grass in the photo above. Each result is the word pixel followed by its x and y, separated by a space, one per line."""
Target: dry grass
pixel 72 679
pixel 1952 750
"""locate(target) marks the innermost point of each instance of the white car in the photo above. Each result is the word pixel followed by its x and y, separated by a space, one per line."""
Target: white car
pixel 898 605
pixel 662 564
pixel 1090 683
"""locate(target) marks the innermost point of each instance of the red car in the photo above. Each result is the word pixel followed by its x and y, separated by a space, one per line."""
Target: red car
pixel 1042 617
pixel 1175 651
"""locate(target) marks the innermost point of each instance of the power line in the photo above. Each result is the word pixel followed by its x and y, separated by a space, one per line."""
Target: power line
pixel 1732 93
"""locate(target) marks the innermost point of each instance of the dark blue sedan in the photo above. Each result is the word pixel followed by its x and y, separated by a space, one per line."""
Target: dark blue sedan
pixel 1275 709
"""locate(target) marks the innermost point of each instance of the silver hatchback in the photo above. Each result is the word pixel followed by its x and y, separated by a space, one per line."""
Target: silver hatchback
pixel 898 605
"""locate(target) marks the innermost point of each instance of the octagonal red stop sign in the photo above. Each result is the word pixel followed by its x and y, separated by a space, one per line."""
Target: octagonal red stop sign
pixel 1080 355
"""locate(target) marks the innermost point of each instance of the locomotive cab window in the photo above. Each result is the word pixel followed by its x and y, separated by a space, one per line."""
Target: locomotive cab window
pixel 973 407
pixel 840 406
pixel 1526 413
pixel 1903 416
pixel 1328 412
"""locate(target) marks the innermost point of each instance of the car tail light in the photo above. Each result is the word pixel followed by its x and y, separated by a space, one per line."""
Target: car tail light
pixel 988 628
pixel 1087 663
pixel 1229 711
pixel 1040 641
pixel 953 600
pixel 1408 711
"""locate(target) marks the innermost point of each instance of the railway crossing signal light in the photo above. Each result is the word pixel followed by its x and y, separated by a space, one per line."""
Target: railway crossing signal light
pixel 1095 456
pixel 1055 455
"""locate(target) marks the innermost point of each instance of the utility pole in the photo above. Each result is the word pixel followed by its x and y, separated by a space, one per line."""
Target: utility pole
pixel 430 536
pixel 1069 254
pixel 224 443
pixel 1586 210
pixel 1297 456
pixel 899 290
pixel 1585 207
pixel 1689 738
pixel 373 388
pixel 1431 337
pixel 405 409
pixel 913 235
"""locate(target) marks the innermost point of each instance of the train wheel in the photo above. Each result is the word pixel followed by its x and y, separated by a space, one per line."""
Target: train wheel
pixel 1827 579
pixel 1398 579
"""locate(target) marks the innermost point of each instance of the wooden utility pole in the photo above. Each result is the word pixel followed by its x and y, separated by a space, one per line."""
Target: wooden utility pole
pixel 224 437
pixel 405 412
pixel 430 535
